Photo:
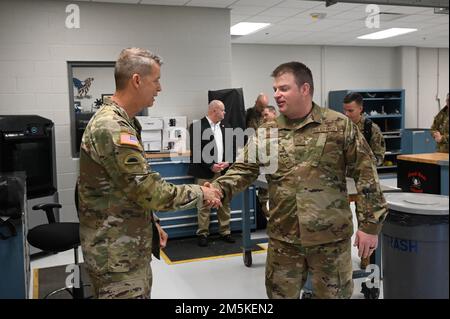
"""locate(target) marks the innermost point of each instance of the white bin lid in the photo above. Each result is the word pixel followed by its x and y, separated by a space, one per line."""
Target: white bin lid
pixel 413 203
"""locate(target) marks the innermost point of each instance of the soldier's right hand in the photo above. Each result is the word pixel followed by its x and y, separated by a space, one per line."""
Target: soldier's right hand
pixel 211 196
pixel 216 168
pixel 437 136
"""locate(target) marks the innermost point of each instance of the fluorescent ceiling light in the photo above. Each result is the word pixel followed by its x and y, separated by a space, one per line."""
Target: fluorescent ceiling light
pixel 244 28
pixel 389 33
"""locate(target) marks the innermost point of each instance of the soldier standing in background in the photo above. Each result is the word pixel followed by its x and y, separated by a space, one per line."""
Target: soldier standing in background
pixel 253 115
pixel 310 224
pixel 253 119
pixel 440 129
pixel 269 113
pixel 118 192
pixel 353 108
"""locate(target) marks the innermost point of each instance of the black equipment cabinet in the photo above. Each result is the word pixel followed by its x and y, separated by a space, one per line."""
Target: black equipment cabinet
pixel 27 143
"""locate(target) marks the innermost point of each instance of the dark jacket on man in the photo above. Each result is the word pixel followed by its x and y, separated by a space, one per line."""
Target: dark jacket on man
pixel 200 167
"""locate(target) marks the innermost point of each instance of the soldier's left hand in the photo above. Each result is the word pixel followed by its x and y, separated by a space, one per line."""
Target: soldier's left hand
pixel 366 243
pixel 162 236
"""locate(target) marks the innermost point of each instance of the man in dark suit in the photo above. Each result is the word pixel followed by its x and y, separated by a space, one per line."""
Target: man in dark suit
pixel 207 140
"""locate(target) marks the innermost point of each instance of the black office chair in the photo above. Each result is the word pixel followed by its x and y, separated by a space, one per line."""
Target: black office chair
pixel 57 237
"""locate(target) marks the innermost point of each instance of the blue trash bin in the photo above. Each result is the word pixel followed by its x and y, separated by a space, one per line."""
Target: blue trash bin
pixel 415 246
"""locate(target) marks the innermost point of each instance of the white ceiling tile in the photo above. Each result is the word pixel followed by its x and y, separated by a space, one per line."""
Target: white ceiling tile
pixel 164 2
pixel 235 18
pixel 348 15
pixel 439 18
pixel 267 3
pixel 265 19
pixel 281 12
pixel 298 4
pixel 297 20
pixel 347 27
pixel 407 10
pixel 292 22
pixel 413 18
pixel 210 3
pixel 118 1
pixel 246 10
pixel 332 23
pixel 339 7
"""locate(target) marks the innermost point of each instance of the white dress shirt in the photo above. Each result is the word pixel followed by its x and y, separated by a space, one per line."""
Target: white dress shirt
pixel 217 138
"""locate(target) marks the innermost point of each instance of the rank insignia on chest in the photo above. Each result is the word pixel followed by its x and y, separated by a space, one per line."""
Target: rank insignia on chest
pixel 128 139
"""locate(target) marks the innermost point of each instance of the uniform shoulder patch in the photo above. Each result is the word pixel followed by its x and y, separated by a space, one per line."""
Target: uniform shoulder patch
pixel 128 139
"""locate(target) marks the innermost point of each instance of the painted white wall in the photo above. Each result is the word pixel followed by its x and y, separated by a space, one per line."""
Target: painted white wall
pixel 422 72
pixel 333 68
pixel 427 84
pixel 443 76
pixel 36 45
pixel 409 79
pixel 253 64
pixel 359 68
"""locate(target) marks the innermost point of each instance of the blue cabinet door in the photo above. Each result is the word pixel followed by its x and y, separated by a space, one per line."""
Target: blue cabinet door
pixel 184 223
pixel 417 141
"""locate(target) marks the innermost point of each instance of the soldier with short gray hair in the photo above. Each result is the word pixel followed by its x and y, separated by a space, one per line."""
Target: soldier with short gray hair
pixel 118 191
pixel 310 221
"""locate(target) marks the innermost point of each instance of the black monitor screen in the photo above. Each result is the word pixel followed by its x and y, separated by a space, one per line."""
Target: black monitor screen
pixel 35 158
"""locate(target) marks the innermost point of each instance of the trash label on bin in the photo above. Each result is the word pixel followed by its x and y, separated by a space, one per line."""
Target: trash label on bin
pixel 405 245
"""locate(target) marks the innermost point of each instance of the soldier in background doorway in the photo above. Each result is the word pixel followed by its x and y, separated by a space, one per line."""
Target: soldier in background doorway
pixel 253 116
pixel 353 109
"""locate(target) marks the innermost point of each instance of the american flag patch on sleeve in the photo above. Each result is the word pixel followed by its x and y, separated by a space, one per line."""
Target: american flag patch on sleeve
pixel 128 139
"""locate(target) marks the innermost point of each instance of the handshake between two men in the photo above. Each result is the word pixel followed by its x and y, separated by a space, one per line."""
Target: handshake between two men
pixel 212 197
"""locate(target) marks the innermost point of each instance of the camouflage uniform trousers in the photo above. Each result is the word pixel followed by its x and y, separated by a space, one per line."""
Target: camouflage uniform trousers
pixel 329 265
pixel 223 214
pixel 263 196
pixel 135 284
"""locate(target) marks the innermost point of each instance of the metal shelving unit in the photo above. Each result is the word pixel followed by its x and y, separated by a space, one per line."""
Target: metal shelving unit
pixel 386 109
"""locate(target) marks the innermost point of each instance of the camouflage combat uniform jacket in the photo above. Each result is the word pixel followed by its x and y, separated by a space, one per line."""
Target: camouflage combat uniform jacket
pixel 253 119
pixel 376 143
pixel 440 124
pixel 308 192
pixel 118 193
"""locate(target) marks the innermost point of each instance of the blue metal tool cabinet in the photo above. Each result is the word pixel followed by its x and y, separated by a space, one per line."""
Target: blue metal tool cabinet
pixel 183 223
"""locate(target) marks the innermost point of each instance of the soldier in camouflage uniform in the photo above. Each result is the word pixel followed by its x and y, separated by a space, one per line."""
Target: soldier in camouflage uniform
pixel 440 129
pixel 269 113
pixel 253 115
pixel 253 119
pixel 310 224
pixel 118 191
pixel 353 108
